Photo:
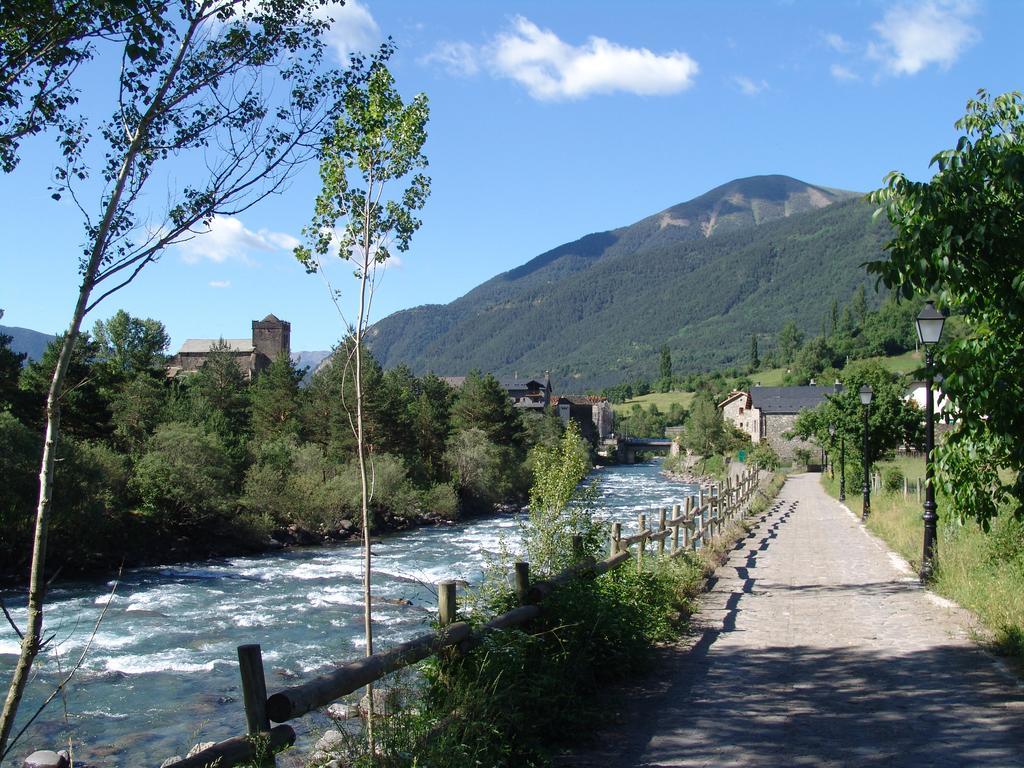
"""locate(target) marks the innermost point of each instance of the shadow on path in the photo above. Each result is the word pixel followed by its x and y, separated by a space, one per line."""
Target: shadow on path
pixel 729 704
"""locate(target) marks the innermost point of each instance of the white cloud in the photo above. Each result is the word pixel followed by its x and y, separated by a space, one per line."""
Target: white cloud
pixel 749 87
pixel 839 72
pixel 836 42
pixel 228 238
pixel 458 59
pixel 220 283
pixel 352 29
pixel 552 69
pixel 932 32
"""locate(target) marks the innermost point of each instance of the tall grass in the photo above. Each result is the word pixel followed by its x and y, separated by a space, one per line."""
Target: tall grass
pixel 983 572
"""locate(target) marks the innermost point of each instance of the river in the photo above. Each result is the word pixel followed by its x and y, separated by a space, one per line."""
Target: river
pixel 162 674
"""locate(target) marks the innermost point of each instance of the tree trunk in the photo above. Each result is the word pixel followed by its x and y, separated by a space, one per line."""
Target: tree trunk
pixel 363 486
pixel 30 643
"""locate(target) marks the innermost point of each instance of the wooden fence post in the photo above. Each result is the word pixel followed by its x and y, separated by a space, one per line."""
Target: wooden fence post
pixel 661 529
pixel 642 544
pixel 254 697
pixel 675 528
pixel 446 603
pixel 613 547
pixel 522 581
pixel 688 517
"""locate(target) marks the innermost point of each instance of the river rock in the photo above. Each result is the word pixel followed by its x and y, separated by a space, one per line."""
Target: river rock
pixel 386 701
pixel 328 750
pixel 171 761
pixel 45 758
pixel 341 712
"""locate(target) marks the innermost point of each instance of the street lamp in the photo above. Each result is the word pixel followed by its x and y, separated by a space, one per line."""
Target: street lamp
pixel 929 329
pixel 866 394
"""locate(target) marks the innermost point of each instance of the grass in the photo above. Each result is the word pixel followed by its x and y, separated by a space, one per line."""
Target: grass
pixel 663 400
pixel 983 572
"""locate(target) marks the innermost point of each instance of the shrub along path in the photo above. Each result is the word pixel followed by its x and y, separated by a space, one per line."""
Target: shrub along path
pixel 816 648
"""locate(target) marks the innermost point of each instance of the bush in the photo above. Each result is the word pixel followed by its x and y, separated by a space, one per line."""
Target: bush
pixel 441 501
pixel 802 456
pixel 764 457
pixel 522 692
pixel 184 478
pixel 893 480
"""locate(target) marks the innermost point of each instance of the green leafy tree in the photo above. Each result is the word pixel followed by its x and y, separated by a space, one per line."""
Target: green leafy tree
pixel 44 43
pixel 377 142
pixel 229 95
pixel 790 339
pixel 129 345
pixel 892 419
pixel 84 406
pixel 275 401
pixel 483 404
pixel 10 373
pixel 705 429
pixel 755 358
pixel 665 370
pixel 137 407
pixel 431 428
pixel 959 236
pixel 218 392
pixel 184 479
pixel 480 469
pixel 554 519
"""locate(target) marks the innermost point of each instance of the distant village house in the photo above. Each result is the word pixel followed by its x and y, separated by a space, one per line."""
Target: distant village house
pixel 528 394
pixel 271 337
pixel 768 413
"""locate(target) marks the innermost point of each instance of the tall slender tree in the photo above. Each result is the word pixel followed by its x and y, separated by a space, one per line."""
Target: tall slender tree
pixel 229 94
pixel 376 143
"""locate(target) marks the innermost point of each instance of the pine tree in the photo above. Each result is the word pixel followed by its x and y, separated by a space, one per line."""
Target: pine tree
pixel 275 401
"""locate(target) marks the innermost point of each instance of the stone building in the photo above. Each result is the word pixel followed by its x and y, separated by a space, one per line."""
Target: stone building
pixel 768 413
pixel 270 337
pixel 736 408
pixel 594 415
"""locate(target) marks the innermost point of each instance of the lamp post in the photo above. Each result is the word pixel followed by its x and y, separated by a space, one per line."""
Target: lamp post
pixel 866 394
pixel 929 329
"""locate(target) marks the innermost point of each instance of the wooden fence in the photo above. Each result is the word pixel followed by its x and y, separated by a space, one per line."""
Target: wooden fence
pixel 692 526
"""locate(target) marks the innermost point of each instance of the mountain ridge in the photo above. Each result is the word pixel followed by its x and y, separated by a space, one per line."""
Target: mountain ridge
pixel 593 309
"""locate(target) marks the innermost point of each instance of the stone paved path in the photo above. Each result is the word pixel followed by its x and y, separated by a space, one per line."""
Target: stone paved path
pixel 818 650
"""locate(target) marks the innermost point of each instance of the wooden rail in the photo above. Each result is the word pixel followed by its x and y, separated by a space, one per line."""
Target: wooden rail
pixel 703 518
pixel 697 521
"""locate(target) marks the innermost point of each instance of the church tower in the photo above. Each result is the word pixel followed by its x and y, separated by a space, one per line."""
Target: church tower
pixel 270 337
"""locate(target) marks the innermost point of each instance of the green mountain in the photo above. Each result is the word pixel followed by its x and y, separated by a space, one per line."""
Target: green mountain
pixel 700 277
pixel 26 341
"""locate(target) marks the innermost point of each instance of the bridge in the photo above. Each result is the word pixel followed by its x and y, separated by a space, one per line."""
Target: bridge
pixel 628 447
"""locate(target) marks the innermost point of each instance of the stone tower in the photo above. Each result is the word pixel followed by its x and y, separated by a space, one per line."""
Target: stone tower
pixel 270 338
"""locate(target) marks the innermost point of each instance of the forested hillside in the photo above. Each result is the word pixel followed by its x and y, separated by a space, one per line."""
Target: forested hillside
pixel 701 277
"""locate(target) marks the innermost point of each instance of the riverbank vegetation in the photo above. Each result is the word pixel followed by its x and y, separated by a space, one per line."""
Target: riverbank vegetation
pixel 152 469
pixel 523 694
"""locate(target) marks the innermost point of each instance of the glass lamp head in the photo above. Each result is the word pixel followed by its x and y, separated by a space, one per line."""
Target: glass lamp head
pixel 929 324
pixel 866 393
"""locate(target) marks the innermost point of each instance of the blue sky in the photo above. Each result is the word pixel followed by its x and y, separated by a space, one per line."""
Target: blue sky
pixel 550 121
